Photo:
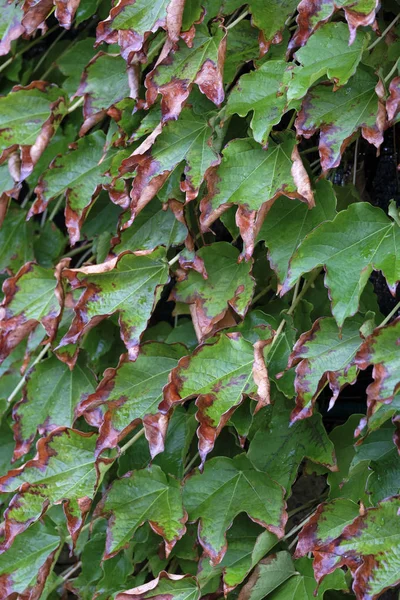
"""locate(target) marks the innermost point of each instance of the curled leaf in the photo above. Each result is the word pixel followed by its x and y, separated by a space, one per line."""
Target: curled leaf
pixel 179 587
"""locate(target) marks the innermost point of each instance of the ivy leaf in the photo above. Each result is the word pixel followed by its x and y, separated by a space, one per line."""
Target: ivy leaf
pixel 270 573
pixel 34 295
pixel 362 236
pixel 327 52
pixel 219 375
pixel 72 62
pixel 369 547
pixel 11 27
pixel 279 447
pixel 228 284
pixel 325 354
pixel 153 226
pixel 298 221
pixel 79 175
pixel 241 48
pixel 234 486
pixel 50 397
pixel 340 114
pixel 383 481
pixel 64 471
pixel 201 63
pixel 247 544
pixel 302 586
pixel 42 106
pixel 15 228
pixel 65 12
pixel 270 18
pixel 130 394
pixel 174 587
pixel 145 495
pixel 131 22
pixel 380 349
pixel 110 288
pixel 104 83
pixel 252 177
pixel 358 13
pixel 184 140
pixel 25 566
pixel 264 92
pixel 326 524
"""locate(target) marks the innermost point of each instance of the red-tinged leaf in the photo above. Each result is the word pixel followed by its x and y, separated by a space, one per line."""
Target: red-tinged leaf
pixel 325 354
pixel 35 295
pixel 228 284
pixel 369 546
pixel 129 285
pixel 270 18
pixel 11 27
pixel 36 13
pixel 381 349
pixel 189 140
pixel 64 471
pixel 201 63
pixel 234 486
pixel 65 11
pixel 393 102
pixel 42 107
pixel 131 394
pixel 219 375
pixel 338 115
pixel 165 586
pixel 130 23
pixel 313 13
pixel 139 496
pixel 253 178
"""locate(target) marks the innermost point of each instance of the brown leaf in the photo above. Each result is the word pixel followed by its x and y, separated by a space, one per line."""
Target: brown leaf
pixel 393 102
pixel 65 11
pixel 142 591
pixel 36 12
pixel 174 19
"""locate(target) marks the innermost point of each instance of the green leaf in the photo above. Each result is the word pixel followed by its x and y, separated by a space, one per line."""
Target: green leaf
pixel 264 92
pixel 16 243
pixel 184 140
pixel 79 174
pixel 72 62
pixel 11 27
pixel 279 448
pixel 234 486
pixel 219 375
pixel 288 223
pixel 131 394
pixel 250 177
pixel 303 587
pixel 50 398
pixel 152 227
pixel 325 354
pixel 370 548
pixel 200 63
pixel 25 566
pixel 104 83
pixel 33 296
pixel 270 17
pixel 146 495
pixel 241 48
pixel 110 288
pixel 174 587
pixel 383 482
pixel 358 240
pixel 28 118
pixel 229 284
pixel 338 115
pixel 328 53
pixel 268 575
pixel 64 471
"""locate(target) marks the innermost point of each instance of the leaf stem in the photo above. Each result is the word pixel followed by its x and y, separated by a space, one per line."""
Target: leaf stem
pixel 56 207
pixel 309 150
pixel 133 439
pixel 76 251
pixel 262 293
pixel 392 71
pixel 68 572
pixel 240 18
pixel 191 463
pixel 76 104
pixel 28 47
pixel 174 260
pixel 23 379
pixel 388 28
pixel 390 315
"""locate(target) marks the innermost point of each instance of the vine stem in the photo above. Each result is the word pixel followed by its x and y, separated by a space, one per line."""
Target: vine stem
pixel 388 28
pixel 23 379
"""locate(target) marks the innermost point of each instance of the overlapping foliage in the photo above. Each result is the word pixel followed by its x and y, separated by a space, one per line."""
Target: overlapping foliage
pixel 183 282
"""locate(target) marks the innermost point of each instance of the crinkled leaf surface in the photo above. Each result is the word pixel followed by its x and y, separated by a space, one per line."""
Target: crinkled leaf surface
pixel 365 239
pixel 237 487
pixel 146 495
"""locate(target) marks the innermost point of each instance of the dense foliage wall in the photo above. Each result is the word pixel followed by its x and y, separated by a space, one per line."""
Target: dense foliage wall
pixel 195 267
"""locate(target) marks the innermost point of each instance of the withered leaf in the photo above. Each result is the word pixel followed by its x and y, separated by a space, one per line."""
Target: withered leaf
pixel 144 495
pixel 132 393
pixel 11 27
pixel 180 587
pixel 65 11
pixel 236 487
pixel 219 375
pixel 129 285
